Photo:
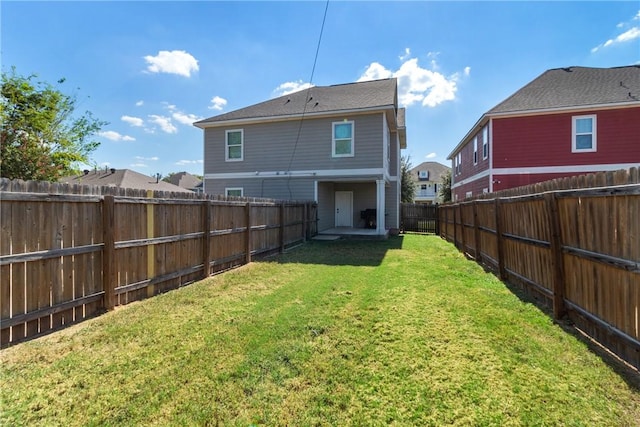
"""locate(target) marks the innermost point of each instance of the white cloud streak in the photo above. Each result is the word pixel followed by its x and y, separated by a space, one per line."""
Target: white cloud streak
pixel 430 156
pixel 115 136
pixel 217 103
pixel 172 62
pixel 188 162
pixel 133 121
pixel 164 123
pixel 185 119
pixel 291 87
pixel 154 158
pixel 630 34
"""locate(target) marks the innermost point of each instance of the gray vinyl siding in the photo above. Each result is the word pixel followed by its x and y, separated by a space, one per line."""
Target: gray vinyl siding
pixel 272 188
pixel 270 146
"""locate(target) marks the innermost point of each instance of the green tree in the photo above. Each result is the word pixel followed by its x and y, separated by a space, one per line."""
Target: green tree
pixel 40 137
pixel 445 187
pixel 407 185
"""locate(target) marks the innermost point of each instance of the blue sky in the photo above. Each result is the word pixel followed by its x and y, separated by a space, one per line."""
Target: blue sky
pixel 151 68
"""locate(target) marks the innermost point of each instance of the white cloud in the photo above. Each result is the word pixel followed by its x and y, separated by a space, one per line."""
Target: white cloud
pixel 138 165
pixel 133 121
pixel 417 84
pixel 406 54
pixel 188 162
pixel 115 136
pixel 164 123
pixel 291 87
pixel 631 34
pixel 139 103
pixel 154 158
pixel 217 103
pixel 430 156
pixel 185 119
pixel 172 62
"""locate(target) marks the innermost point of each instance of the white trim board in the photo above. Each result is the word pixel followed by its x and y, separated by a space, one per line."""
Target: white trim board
pixel 368 172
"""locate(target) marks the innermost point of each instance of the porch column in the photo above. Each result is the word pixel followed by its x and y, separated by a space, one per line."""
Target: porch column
pixel 380 208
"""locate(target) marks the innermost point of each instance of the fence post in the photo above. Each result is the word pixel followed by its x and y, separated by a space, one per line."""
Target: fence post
pixel 206 238
pixel 151 250
pixel 476 232
pixel 248 234
pixel 108 253
pixel 463 247
pixel 557 262
pixel 281 243
pixel 501 270
pixel 305 222
pixel 437 216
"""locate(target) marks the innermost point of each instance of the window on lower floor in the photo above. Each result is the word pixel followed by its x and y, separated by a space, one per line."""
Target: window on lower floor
pixel 583 134
pixel 234 192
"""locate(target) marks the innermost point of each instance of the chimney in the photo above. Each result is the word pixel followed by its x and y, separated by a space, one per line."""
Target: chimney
pixel 86 171
pixel 113 170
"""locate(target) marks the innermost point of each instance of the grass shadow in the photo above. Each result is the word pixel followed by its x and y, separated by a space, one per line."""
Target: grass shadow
pixel 355 252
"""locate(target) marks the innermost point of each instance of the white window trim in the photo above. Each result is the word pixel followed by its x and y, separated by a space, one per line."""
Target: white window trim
pixel 226 145
pixel 333 139
pixel 594 133
pixel 485 142
pixel 228 189
pixel 475 150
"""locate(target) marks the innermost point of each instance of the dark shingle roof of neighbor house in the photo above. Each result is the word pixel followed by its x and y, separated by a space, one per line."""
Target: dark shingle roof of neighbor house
pixel 184 180
pixel 321 99
pixel 573 87
pixel 123 178
pixel 436 170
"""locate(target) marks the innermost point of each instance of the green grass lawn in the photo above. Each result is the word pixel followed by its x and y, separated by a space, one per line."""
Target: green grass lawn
pixel 400 332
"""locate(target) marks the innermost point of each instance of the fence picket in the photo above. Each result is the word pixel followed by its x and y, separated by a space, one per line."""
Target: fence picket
pixel 69 251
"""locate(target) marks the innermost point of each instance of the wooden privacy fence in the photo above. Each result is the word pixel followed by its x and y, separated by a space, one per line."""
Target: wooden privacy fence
pixel 419 218
pixel 575 246
pixel 66 257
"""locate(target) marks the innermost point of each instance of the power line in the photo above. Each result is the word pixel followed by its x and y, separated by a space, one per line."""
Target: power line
pixel 304 108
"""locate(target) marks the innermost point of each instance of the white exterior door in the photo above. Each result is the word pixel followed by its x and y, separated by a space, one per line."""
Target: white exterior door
pixel 344 209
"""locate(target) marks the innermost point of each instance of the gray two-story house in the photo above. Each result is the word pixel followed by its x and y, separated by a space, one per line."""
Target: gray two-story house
pixel 338 145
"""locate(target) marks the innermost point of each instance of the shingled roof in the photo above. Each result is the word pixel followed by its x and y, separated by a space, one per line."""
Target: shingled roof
pixel 575 87
pixel 123 178
pixel 318 99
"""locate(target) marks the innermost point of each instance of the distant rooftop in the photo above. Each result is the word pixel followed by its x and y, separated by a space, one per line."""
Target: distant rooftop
pixel 123 178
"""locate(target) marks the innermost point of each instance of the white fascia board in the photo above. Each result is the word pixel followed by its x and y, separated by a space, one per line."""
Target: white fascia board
pixel 328 173
pixel 564 169
pixel 472 178
pixel 271 119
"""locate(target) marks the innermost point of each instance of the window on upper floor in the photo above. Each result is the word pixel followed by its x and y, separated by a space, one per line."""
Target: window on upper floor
pixel 475 150
pixel 583 134
pixel 342 141
pixel 459 163
pixel 485 142
pixel 234 191
pixel 234 145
